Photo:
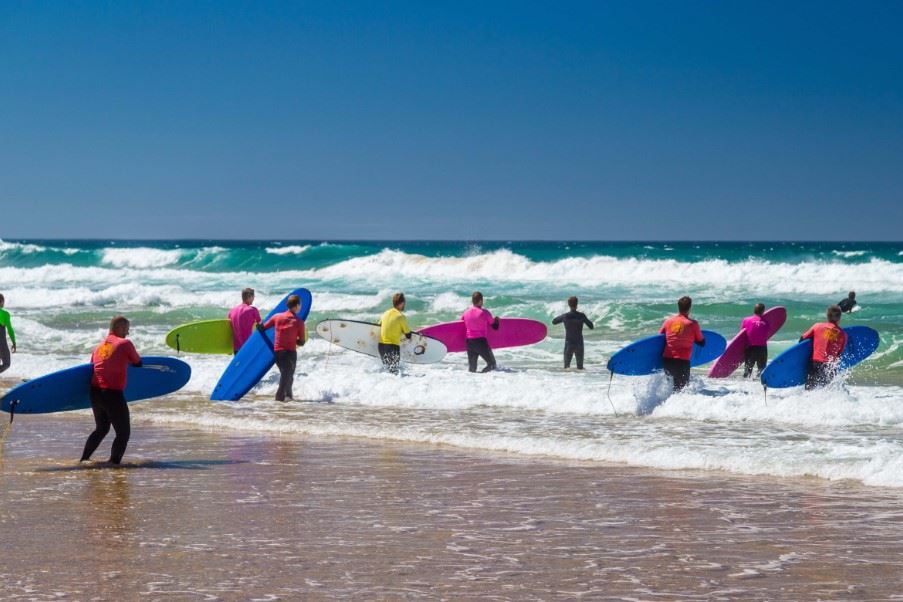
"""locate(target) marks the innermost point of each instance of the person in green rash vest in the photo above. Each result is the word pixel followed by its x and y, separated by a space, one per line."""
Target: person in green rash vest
pixel 6 326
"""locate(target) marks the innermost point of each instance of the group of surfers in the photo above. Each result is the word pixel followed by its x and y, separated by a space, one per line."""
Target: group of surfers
pixel 112 357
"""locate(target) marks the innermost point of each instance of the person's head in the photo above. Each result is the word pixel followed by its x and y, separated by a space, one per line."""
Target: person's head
pixel 119 326
pixel 684 304
pixel 759 309
pixel 477 299
pixel 398 301
pixel 2 300
pixel 833 314
pixel 293 303
pixel 247 296
pixel 572 303
pixel 852 295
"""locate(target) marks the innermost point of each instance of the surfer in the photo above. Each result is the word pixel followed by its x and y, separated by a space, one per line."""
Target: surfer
pixel 847 305
pixel 392 325
pixel 681 332
pixel 477 322
pixel 6 326
pixel 756 354
pixel 243 317
pixel 828 343
pixel 111 361
pixel 573 333
pixel 289 334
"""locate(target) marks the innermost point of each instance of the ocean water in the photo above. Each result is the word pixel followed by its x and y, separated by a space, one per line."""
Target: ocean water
pixel 63 293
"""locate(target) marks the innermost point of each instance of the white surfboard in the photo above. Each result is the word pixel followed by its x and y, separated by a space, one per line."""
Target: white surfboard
pixel 363 337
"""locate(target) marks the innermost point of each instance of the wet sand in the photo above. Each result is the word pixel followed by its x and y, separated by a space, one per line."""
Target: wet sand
pixel 197 514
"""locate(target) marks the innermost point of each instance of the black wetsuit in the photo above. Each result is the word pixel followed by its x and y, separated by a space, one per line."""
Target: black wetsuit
pixel 819 374
pixel 110 408
pixel 573 335
pixel 847 305
pixel 286 362
pixel 678 370
pixel 755 355
pixel 390 355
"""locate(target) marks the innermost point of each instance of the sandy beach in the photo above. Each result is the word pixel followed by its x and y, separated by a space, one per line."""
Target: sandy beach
pixel 196 514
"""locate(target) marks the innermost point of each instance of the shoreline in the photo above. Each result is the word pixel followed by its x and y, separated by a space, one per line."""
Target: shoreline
pixel 195 513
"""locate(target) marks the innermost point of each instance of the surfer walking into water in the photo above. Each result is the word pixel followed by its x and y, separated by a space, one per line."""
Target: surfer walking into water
pixel 392 326
pixel 288 336
pixel 574 322
pixel 111 361
pixel 847 305
pixel 243 317
pixel 756 353
pixel 477 322
pixel 6 328
pixel 681 333
pixel 828 342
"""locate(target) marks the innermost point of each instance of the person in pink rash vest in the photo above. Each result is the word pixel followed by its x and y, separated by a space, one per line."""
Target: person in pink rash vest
pixel 243 317
pixel 756 328
pixel 477 322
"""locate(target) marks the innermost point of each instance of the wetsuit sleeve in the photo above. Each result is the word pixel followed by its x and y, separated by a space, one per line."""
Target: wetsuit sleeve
pixel 588 322
pixel 843 341
pixel 269 323
pixel 302 332
pixel 808 334
pixel 132 354
pixel 698 337
pixel 405 329
pixel 559 319
pixel 6 321
pixel 662 329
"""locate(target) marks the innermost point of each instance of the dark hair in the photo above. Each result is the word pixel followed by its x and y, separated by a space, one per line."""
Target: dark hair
pixel 117 321
pixel 293 301
pixel 759 309
pixel 247 293
pixel 2 299
pixel 852 294
pixel 572 302
pixel 476 297
pixel 397 299
pixel 833 311
pixel 684 304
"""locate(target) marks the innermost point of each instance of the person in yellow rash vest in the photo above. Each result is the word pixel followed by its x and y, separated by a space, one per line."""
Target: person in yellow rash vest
pixel 392 326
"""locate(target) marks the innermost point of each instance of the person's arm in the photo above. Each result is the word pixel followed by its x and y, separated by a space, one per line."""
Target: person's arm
pixel 257 318
pixel 807 335
pixel 495 321
pixel 8 322
pixel 558 320
pixel 132 354
pixel 699 339
pixel 266 325
pixel 302 333
pixel 405 329
pixel 588 322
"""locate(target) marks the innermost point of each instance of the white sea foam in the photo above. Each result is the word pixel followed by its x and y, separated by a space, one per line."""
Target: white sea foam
pixel 140 257
pixel 289 250
pixel 848 254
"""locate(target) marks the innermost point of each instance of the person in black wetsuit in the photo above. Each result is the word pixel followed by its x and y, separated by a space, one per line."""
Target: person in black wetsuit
pixel 847 305
pixel 573 333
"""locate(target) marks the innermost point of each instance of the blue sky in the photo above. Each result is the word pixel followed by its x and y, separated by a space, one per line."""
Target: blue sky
pixel 482 120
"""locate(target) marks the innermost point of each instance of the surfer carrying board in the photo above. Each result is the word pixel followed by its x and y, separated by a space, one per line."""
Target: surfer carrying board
pixel 477 322
pixel 288 336
pixel 681 333
pixel 111 361
pixel 828 342
pixel 6 327
pixel 757 330
pixel 243 317
pixel 573 333
pixel 392 325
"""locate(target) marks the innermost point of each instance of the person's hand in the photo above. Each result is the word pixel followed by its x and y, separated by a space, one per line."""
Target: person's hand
pixel 301 342
pixel 407 335
pixel 260 328
pixel 14 348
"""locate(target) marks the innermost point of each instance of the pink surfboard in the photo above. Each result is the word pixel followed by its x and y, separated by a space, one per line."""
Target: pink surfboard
pixel 512 332
pixel 735 352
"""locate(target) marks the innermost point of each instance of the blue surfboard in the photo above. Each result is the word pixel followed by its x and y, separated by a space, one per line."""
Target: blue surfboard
pixel 255 358
pixel 69 389
pixel 645 356
pixel 789 368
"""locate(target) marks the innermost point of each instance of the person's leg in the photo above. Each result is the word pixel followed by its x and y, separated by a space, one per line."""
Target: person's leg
pixel 761 360
pixel 818 374
pixel 748 362
pixel 568 354
pixel 578 351
pixel 291 362
pixel 118 411
pixel 678 370
pixel 472 355
pixel 282 364
pixel 4 351
pixel 391 356
pixel 488 356
pixel 101 422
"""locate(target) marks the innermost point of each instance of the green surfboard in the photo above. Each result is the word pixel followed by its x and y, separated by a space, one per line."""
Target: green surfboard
pixel 207 336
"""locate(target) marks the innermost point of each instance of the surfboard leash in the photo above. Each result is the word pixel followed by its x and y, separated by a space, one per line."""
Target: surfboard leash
pixel 9 426
pixel 610 379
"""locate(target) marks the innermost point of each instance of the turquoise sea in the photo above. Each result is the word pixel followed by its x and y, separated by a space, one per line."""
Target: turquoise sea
pixel 63 293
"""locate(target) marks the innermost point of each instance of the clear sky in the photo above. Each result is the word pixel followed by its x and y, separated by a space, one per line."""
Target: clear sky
pixel 474 120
